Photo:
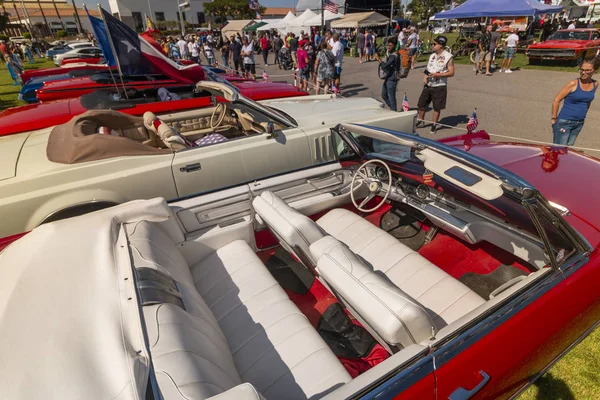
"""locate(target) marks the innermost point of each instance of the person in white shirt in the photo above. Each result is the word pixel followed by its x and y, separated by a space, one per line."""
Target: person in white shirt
pixel 401 39
pixel 439 68
pixel 194 49
pixel 209 39
pixel 248 54
pixel 571 26
pixel 182 45
pixel 338 52
pixel 209 53
pixel 512 41
pixel 413 46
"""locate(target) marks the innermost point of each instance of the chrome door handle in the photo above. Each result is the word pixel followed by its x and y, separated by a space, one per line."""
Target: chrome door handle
pixel 464 394
pixel 191 168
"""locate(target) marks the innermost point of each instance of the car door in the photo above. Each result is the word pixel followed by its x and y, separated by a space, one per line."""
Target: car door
pixel 240 160
pixel 520 337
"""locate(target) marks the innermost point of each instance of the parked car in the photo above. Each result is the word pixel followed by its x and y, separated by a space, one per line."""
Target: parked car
pixel 66 47
pixel 83 52
pixel 480 285
pixel 34 188
pixel 566 45
pixel 29 74
pixel 19 39
pixel 137 102
pixel 83 59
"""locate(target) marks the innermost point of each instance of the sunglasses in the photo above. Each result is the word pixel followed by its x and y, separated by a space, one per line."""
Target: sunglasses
pixel 587 71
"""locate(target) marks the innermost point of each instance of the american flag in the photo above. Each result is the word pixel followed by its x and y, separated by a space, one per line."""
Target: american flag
pixel 405 106
pixel 265 76
pixel 329 6
pixel 472 124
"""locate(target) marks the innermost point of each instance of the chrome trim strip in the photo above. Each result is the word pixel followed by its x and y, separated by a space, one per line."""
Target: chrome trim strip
pixel 398 380
pixel 83 203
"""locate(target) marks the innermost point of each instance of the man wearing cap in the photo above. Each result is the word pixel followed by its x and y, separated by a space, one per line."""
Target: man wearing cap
pixel 439 68
pixel 390 68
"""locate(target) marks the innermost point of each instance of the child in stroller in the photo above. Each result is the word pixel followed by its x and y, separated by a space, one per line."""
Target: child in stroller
pixel 285 58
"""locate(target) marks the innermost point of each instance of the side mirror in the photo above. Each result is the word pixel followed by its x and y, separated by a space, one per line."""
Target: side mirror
pixel 271 130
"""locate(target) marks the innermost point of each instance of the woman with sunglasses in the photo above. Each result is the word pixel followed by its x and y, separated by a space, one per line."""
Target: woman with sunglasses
pixel 577 95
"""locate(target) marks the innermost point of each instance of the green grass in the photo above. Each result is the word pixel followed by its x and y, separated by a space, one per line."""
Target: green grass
pixel 8 92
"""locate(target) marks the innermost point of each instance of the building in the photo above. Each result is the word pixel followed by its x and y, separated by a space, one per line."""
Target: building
pixel 45 17
pixel 277 12
pixel 134 12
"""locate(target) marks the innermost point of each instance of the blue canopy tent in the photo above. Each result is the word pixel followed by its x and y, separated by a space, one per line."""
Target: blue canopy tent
pixel 498 8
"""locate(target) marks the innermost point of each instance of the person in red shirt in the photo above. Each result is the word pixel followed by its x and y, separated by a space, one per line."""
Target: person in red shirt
pixel 264 46
pixel 303 39
pixel 304 68
pixel 3 50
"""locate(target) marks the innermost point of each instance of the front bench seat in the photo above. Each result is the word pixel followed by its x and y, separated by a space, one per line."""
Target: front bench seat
pixel 397 318
pixel 445 298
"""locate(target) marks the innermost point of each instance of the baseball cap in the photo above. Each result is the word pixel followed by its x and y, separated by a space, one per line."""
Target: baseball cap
pixel 441 40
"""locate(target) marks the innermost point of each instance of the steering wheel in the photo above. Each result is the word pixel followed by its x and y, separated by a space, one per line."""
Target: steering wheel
pixel 215 122
pixel 374 184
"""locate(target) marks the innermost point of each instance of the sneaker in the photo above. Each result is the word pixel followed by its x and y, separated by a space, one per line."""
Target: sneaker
pixel 433 129
pixel 266 65
pixel 501 70
pixel 420 124
pixel 508 71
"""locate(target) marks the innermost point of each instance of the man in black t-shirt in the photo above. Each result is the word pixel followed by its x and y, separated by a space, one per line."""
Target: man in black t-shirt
pixel 277 45
pixel 236 54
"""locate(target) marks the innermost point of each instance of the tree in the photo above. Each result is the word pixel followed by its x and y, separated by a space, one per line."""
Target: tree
pixel 426 8
pixel 236 9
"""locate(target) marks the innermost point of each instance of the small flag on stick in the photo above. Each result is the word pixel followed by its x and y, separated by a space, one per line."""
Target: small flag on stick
pixel 265 76
pixel 405 106
pixel 473 123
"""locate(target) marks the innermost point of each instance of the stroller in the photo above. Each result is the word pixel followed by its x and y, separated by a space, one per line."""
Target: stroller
pixel 285 58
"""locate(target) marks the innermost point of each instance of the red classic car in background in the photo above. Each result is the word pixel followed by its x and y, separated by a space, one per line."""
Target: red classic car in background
pixel 42 115
pixel 566 45
pixel 29 74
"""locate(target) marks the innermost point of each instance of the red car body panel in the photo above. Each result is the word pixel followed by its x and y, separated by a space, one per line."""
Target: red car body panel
pixel 36 73
pixel 76 87
pixel 565 49
pixel 42 115
pixel 74 60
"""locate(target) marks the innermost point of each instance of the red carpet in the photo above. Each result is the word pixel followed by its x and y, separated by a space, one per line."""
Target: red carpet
pixel 457 257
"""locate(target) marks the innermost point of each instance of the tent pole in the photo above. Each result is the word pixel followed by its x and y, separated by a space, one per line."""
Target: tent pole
pixel 322 18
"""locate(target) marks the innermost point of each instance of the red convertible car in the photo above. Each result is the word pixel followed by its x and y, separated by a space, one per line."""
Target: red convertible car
pixel 89 60
pixel 42 115
pixel 566 45
pixel 406 269
pixel 29 74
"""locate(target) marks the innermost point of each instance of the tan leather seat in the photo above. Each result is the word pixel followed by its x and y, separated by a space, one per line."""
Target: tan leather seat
pixel 238 327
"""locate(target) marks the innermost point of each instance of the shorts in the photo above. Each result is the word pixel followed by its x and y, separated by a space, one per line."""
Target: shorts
pixel 251 68
pixel 360 50
pixel 509 52
pixel 412 51
pixel 436 95
pixel 369 51
pixel 487 56
pixel 338 72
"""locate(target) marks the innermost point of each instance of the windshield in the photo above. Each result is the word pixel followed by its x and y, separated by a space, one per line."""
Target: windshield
pixel 569 35
pixel 211 76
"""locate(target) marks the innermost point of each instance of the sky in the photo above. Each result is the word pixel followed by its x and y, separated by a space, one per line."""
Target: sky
pixel 266 3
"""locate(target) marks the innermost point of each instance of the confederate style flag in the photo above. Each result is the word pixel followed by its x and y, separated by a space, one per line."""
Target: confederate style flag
pixel 472 124
pixel 136 55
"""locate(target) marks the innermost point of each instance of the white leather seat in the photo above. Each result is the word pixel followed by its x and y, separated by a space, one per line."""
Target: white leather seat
pixel 445 298
pixel 238 328
pixel 295 231
pixel 398 319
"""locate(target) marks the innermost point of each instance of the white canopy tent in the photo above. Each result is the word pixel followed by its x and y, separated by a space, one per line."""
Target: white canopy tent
pixel 299 24
pixel 329 16
pixel 280 25
pixel 361 20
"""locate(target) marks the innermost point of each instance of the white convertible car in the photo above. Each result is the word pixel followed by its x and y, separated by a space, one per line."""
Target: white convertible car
pixel 69 170
pixel 419 262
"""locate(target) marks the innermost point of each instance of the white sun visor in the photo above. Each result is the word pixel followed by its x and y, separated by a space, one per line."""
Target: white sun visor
pixel 217 89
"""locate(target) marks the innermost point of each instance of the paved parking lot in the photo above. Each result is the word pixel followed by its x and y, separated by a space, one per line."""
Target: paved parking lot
pixel 516 105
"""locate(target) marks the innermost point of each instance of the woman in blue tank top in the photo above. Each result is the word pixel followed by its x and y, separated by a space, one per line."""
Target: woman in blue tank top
pixel 577 95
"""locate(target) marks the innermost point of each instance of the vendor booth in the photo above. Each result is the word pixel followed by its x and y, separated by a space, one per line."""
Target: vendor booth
pixel 360 20
pixel 236 26
pixel 299 23
pixel 279 25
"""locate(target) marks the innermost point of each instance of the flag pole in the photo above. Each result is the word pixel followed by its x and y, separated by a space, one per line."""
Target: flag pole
pixel 322 18
pixel 109 67
pixel 112 47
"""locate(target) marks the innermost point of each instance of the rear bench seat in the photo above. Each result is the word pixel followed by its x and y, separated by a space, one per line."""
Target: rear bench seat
pixel 239 327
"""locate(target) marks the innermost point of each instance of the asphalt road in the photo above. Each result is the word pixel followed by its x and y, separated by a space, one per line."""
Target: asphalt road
pixel 516 105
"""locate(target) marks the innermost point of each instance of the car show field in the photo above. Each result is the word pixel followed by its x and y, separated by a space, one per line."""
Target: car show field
pixel 176 229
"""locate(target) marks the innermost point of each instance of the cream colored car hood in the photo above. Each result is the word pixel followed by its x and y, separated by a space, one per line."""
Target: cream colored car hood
pixel 10 149
pixel 313 111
